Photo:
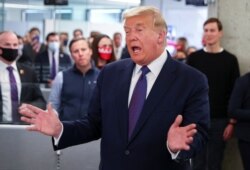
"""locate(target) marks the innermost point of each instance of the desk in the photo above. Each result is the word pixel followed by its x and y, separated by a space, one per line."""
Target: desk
pixel 24 150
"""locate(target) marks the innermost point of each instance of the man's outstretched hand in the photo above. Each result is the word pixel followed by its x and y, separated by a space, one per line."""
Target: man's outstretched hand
pixel 43 121
pixel 180 138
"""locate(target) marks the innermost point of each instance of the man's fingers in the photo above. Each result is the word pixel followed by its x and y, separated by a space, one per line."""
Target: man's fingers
pixel 191 132
pixel 27 112
pixel 31 128
pixel 177 121
pixel 35 109
pixel 189 140
pixel 28 120
pixel 50 108
pixel 186 147
pixel 190 127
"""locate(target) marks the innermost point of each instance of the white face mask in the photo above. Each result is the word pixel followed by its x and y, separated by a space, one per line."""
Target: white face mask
pixel 54 46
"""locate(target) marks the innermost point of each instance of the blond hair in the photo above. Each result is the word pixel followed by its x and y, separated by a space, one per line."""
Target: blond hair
pixel 159 21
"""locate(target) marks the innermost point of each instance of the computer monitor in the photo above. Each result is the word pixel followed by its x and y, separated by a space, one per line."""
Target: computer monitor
pixel 55 2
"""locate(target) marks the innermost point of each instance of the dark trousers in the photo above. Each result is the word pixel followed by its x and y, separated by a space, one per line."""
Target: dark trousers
pixel 211 157
pixel 244 148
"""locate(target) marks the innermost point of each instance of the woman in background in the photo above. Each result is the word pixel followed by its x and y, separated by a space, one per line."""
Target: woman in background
pixel 103 52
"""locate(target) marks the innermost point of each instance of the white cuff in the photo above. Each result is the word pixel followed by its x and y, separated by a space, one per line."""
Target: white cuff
pixel 173 155
pixel 56 140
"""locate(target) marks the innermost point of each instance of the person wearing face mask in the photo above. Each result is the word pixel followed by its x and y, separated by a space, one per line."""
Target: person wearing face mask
pixel 18 83
pixel 32 48
pixel 103 51
pixel 64 39
pixel 51 61
pixel 71 99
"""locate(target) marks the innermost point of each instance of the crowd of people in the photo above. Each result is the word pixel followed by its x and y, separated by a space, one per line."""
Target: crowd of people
pixel 131 97
pixel 53 64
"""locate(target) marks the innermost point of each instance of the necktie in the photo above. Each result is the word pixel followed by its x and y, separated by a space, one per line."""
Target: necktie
pixel 14 95
pixel 53 67
pixel 137 100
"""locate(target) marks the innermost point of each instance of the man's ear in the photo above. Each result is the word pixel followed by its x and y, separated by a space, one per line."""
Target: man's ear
pixel 221 33
pixel 161 36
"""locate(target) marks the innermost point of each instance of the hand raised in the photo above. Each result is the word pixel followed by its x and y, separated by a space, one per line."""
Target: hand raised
pixel 179 138
pixel 46 122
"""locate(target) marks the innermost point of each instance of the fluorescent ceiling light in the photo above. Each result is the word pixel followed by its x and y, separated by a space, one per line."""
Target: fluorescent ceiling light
pixel 135 2
pixel 106 10
pixel 21 6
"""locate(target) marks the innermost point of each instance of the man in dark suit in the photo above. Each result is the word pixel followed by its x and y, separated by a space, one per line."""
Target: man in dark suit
pixel 32 48
pixel 171 125
pixel 51 61
pixel 15 78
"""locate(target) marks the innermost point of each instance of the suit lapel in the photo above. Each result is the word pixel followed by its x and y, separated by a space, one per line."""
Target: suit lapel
pixel 125 75
pixel 21 72
pixel 158 91
pixel 22 76
pixel 61 59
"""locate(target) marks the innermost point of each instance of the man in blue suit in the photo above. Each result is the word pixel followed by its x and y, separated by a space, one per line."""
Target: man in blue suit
pixel 51 61
pixel 173 122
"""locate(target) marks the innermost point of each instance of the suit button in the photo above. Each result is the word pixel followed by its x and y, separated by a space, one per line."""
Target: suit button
pixel 127 152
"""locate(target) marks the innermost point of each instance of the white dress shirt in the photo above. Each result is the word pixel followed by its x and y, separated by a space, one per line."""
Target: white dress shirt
pixel 154 67
pixel 6 90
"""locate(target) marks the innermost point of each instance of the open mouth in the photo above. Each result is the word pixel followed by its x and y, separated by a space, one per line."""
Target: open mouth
pixel 136 49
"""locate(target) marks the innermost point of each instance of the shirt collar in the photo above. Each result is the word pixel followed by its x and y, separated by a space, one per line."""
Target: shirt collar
pixel 156 65
pixel 4 66
pixel 220 50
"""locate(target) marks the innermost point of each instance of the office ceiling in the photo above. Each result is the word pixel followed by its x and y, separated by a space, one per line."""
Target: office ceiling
pixel 95 3
pixel 103 4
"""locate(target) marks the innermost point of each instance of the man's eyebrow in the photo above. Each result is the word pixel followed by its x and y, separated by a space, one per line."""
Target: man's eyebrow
pixel 136 25
pixel 140 24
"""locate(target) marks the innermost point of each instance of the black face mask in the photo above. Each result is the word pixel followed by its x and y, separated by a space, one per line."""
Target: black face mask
pixel 9 54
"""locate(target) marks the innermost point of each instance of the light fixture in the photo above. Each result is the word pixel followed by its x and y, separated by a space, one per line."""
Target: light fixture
pixel 134 2
pixel 21 6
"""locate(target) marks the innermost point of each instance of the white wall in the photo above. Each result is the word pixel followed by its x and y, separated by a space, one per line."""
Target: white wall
pixel 187 20
pixel 188 23
pixel 235 17
pixel 69 26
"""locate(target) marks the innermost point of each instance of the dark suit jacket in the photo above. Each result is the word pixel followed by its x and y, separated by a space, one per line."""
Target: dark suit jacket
pixel 29 55
pixel 239 107
pixel 42 65
pixel 30 90
pixel 178 89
